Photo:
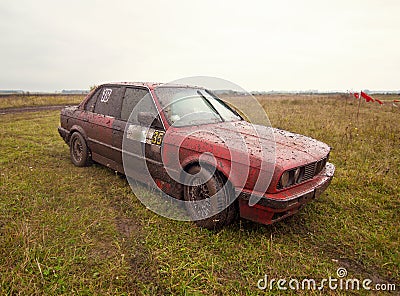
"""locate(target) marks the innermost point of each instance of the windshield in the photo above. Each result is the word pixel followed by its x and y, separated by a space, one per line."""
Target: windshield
pixel 193 106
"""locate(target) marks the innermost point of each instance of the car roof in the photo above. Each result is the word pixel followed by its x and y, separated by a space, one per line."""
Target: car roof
pixel 150 85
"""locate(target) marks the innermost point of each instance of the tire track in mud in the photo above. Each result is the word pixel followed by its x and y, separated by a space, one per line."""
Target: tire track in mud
pixel 4 111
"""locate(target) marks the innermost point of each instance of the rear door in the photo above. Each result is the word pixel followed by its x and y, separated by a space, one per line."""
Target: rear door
pixel 101 116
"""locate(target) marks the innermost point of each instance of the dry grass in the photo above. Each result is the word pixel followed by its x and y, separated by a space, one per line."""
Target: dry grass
pixel 17 101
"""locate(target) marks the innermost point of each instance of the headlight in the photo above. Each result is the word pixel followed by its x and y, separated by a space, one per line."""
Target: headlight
pixel 291 177
pixel 285 179
pixel 297 175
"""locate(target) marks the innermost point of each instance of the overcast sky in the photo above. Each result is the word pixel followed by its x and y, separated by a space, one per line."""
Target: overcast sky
pixel 260 45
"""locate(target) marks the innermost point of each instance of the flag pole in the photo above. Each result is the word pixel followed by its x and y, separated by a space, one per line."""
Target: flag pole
pixel 359 103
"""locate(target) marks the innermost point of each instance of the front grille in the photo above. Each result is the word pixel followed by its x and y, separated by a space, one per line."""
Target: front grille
pixel 313 169
pixel 309 171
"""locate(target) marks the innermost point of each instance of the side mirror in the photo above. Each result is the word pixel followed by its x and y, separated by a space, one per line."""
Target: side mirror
pixel 149 119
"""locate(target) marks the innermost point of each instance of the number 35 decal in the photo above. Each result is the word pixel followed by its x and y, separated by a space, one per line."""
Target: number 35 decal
pixel 157 137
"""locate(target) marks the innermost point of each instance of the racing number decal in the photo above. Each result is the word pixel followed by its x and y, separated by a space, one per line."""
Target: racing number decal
pixel 105 96
pixel 157 137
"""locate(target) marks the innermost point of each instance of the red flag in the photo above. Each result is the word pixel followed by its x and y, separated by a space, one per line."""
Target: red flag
pixel 367 97
pixel 379 101
pixel 356 95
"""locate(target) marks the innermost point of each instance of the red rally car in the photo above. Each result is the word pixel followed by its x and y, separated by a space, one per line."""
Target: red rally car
pixel 175 129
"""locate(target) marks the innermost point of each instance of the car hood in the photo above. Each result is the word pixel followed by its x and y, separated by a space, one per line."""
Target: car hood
pixel 285 149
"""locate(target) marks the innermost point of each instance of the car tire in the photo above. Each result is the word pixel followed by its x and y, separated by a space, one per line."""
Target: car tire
pixel 79 150
pixel 204 189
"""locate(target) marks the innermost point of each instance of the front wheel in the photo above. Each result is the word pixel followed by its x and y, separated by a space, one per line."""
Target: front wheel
pixel 199 186
pixel 79 151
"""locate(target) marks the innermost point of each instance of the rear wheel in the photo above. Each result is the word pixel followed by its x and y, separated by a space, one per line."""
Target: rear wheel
pixel 79 151
pixel 201 187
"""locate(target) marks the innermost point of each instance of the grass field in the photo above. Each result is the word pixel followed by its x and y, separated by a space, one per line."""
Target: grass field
pixel 17 101
pixel 81 231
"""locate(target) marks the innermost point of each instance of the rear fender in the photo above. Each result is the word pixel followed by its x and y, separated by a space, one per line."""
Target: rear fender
pixel 79 129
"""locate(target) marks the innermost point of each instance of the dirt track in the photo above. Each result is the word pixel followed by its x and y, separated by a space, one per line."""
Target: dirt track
pixel 30 109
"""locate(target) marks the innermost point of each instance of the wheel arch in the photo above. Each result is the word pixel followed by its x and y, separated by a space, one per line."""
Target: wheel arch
pixel 218 168
pixel 79 129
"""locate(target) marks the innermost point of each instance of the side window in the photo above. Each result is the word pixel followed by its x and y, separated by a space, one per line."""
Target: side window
pixel 132 97
pixel 131 100
pixel 109 101
pixel 92 101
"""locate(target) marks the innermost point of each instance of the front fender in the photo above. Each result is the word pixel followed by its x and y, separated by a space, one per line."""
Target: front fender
pixel 237 177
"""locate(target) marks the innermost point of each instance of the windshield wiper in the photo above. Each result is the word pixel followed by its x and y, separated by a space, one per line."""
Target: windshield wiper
pixel 230 108
pixel 210 105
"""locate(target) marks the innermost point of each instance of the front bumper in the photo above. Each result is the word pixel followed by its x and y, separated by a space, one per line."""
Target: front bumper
pixel 274 207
